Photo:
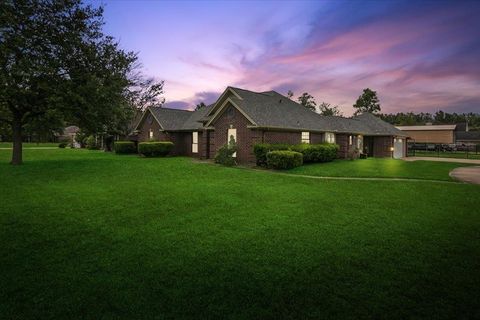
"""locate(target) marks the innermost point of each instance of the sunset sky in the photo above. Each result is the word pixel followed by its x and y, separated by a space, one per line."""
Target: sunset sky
pixel 418 57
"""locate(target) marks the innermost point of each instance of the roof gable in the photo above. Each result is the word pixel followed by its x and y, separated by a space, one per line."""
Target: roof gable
pixel 168 119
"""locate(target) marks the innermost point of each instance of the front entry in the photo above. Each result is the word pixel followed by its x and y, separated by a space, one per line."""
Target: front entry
pixel 368 146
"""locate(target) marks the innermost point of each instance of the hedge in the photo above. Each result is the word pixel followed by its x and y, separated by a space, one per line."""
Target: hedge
pixel 324 152
pixel 62 145
pixel 283 159
pixel 155 149
pixel 260 150
pixel 124 147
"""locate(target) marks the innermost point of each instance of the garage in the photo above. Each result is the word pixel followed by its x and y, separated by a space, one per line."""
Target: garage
pixel 398 148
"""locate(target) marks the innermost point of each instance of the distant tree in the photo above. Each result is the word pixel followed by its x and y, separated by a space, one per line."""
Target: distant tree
pixel 326 109
pixel 200 106
pixel 290 94
pixel 367 102
pixel 308 101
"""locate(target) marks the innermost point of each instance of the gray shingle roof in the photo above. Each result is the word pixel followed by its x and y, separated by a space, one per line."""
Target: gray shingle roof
pixel 271 109
pixel 170 119
pixel 194 122
pixel 375 126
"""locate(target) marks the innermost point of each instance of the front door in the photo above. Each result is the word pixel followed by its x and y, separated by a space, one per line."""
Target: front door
pixel 368 146
pixel 232 136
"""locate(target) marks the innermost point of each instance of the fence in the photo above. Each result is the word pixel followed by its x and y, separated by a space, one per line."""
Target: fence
pixel 461 151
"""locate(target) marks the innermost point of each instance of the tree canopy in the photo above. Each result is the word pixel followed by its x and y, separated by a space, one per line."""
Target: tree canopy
pixel 439 117
pixel 58 66
pixel 367 102
pixel 308 101
pixel 200 106
pixel 326 109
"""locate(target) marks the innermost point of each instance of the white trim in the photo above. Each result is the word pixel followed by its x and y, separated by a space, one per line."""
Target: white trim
pixel 228 89
pixel 215 116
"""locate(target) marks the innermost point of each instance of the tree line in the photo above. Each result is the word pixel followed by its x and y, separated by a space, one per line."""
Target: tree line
pixel 368 101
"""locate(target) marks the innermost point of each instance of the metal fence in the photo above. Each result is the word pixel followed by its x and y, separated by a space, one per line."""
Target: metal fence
pixel 461 151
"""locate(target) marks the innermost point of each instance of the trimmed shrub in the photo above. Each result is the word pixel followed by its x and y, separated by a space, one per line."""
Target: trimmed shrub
pixel 62 145
pixel 324 152
pixel 284 159
pixel 124 147
pixel 261 149
pixel 155 149
pixel 225 154
pixel 91 143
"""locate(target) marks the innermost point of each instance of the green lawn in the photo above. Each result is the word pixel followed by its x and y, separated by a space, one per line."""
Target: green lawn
pixel 90 235
pixel 30 145
pixel 380 168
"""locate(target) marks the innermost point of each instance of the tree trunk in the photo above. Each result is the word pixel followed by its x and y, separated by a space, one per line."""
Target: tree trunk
pixel 17 141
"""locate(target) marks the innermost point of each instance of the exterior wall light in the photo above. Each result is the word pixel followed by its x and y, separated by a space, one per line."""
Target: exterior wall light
pixel 391 149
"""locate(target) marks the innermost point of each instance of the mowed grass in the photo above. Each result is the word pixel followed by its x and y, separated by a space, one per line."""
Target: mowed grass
pixel 380 168
pixel 90 235
pixel 30 145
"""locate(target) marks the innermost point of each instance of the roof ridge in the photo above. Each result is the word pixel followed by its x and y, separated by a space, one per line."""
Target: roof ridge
pixel 175 109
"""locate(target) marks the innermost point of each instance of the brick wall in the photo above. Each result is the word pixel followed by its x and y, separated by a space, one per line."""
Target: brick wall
pixel 282 137
pixel 246 138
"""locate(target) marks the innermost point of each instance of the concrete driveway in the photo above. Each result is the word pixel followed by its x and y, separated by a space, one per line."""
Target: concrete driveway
pixel 466 174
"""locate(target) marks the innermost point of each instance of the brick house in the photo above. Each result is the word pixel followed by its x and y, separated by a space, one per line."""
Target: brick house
pixel 265 117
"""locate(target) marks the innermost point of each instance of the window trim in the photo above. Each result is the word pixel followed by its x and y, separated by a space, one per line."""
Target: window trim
pixel 195 142
pixel 303 139
pixel 150 134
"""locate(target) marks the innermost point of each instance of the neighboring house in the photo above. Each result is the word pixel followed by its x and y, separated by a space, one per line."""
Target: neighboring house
pixel 69 134
pixel 441 134
pixel 265 117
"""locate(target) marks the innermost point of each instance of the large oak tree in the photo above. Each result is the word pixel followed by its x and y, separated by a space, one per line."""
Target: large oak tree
pixel 55 61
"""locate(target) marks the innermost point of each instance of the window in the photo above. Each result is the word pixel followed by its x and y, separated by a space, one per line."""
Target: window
pixel 329 137
pixel 195 142
pixel 350 140
pixel 305 137
pixel 150 134
pixel 232 137
pixel 359 143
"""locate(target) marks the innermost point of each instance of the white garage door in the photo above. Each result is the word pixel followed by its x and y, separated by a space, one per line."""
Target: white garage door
pixel 398 148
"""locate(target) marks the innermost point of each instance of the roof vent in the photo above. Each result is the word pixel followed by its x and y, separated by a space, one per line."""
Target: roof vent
pixel 280 101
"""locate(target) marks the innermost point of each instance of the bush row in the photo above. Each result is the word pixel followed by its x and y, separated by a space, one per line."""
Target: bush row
pixel 124 147
pixel 146 149
pixel 284 159
pixel 155 149
pixel 323 152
